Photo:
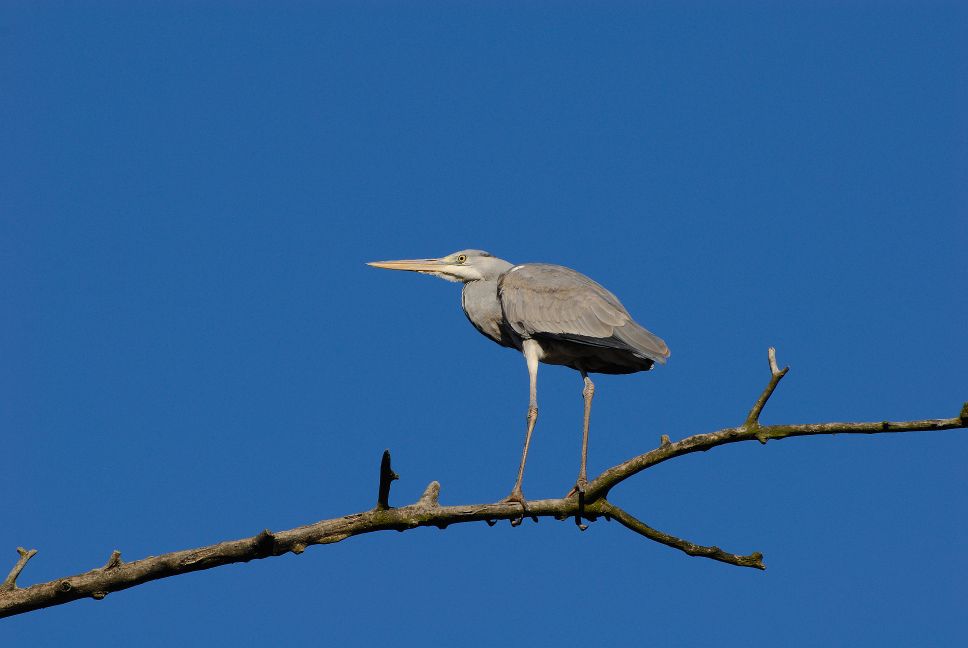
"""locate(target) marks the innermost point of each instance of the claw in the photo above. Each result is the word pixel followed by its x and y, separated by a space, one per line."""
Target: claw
pixel 578 488
pixel 517 497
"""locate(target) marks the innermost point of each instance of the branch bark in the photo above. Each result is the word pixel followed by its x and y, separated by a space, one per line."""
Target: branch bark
pixel 117 575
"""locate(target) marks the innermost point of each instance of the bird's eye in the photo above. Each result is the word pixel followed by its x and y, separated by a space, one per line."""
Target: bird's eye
pixel 461 258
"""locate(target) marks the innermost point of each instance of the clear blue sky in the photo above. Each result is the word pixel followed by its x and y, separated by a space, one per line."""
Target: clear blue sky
pixel 192 349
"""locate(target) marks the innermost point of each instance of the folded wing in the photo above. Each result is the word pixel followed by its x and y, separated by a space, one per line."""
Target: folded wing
pixel 549 300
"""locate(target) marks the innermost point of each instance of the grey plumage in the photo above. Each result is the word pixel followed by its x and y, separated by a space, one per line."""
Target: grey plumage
pixel 552 314
pixel 583 325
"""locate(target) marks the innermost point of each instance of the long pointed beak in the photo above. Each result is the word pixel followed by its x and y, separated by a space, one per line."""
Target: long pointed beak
pixel 413 265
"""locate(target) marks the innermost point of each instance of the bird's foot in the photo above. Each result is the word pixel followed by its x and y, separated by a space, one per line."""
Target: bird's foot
pixel 517 496
pixel 578 488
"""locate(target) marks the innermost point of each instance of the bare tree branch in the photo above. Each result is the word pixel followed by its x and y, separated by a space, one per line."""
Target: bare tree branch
pixel 117 575
pixel 602 484
pixel 755 559
pixel 751 429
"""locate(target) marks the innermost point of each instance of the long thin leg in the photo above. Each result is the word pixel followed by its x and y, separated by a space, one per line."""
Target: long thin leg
pixel 531 354
pixel 588 392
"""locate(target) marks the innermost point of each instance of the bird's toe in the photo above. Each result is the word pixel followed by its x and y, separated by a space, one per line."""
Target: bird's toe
pixel 578 488
pixel 518 497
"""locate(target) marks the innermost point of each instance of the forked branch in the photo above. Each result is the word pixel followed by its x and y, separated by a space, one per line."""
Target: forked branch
pixel 117 575
pixel 776 374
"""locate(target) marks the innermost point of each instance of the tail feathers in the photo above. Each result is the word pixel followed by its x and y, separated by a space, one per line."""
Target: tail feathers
pixel 643 342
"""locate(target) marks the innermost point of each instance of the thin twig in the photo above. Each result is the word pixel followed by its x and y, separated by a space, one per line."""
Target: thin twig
pixel 754 560
pixel 776 375
pixel 10 582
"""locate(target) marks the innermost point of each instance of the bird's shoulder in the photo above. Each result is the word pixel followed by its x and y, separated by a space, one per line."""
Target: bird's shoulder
pixel 554 281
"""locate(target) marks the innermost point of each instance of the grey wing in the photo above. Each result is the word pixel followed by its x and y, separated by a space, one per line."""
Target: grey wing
pixel 553 300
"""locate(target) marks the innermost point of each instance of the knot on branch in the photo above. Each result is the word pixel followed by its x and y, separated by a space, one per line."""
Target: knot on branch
pixel 265 543
pixel 113 562
pixel 431 495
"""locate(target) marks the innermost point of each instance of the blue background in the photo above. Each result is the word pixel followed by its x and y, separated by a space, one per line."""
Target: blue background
pixel 192 349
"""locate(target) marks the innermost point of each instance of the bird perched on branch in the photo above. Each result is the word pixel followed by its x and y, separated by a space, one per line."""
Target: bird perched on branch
pixel 551 314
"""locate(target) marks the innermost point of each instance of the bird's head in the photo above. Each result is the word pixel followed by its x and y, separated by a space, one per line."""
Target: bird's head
pixel 464 265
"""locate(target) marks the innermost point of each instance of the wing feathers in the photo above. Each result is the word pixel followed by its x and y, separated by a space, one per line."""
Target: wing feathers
pixel 647 344
pixel 554 300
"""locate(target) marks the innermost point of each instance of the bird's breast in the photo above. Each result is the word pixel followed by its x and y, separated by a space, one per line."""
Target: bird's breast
pixel 482 306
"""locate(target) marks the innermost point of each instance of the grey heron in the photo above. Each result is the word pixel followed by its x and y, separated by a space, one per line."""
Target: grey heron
pixel 552 314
